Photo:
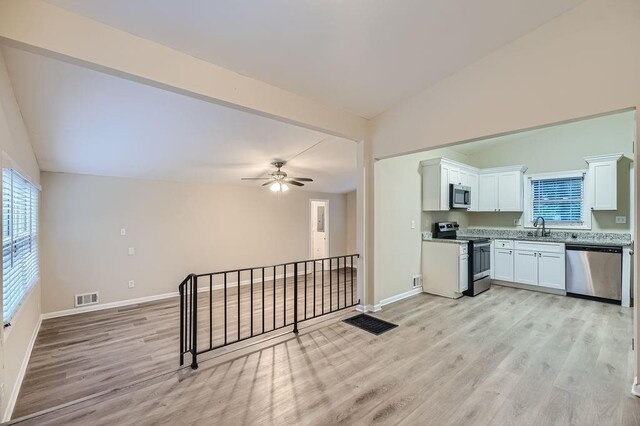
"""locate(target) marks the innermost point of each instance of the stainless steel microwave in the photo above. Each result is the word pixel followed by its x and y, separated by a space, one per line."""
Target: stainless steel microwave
pixel 459 197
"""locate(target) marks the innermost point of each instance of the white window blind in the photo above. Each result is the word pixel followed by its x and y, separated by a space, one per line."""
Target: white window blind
pixel 20 267
pixel 559 201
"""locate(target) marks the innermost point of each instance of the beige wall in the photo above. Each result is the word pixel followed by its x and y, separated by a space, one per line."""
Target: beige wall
pixel 175 229
pixel 562 148
pixel 14 140
pixel 584 62
pixel 351 201
pixel 397 205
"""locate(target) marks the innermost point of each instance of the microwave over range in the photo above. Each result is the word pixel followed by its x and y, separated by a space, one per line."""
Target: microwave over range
pixel 459 197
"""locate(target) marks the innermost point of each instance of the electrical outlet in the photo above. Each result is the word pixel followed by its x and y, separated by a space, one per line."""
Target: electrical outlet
pixel 517 222
pixel 621 219
pixel 123 232
pixel 132 251
pixel 132 284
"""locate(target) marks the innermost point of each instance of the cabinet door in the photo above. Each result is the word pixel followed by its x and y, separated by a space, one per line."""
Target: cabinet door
pixel 503 265
pixel 525 267
pixel 551 268
pixel 454 176
pixel 472 182
pixel 487 193
pixel 603 184
pixel 510 192
pixel 463 276
pixel 444 187
pixel 464 178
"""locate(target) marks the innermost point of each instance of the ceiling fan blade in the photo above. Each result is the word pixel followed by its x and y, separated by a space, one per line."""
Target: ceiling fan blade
pixel 267 183
pixel 301 179
pixel 293 182
pixel 260 178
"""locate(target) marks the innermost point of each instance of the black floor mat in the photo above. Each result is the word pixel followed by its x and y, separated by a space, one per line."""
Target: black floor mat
pixel 370 324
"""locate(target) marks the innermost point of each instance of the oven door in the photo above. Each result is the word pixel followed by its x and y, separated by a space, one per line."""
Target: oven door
pixel 481 260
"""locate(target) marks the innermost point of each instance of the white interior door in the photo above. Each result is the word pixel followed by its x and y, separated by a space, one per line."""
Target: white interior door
pixel 319 229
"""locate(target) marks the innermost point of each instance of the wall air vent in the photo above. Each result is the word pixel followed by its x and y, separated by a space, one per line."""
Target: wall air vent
pixel 417 281
pixel 86 299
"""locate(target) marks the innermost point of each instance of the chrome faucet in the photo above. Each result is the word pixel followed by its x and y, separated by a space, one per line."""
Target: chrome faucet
pixel 545 233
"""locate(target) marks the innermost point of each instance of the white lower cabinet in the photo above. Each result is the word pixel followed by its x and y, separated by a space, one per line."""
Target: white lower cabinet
pixel 526 267
pixel 503 264
pixel 551 270
pixel 532 263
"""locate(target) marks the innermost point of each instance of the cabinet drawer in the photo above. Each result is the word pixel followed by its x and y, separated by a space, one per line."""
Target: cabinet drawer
pixel 503 244
pixel 540 246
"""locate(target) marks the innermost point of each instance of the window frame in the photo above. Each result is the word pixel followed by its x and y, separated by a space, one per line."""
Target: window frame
pixel 8 163
pixel 528 198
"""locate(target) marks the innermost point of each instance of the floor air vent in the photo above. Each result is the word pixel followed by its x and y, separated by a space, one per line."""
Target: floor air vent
pixel 86 299
pixel 370 324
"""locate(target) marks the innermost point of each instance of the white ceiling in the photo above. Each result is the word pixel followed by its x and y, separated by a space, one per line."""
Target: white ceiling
pixel 83 121
pixel 362 56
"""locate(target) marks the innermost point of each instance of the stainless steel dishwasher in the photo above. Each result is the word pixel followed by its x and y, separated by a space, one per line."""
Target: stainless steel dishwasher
pixel 594 272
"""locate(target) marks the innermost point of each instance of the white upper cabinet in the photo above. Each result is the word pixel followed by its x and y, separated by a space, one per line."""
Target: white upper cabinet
pixel 603 181
pixel 472 182
pixel 501 190
pixel 492 190
pixel 437 175
pixel 487 192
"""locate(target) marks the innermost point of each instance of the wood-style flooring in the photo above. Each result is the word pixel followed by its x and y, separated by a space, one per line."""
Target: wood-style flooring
pixel 506 357
pixel 81 355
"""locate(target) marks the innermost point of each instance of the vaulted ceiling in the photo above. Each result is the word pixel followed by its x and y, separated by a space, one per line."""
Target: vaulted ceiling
pixel 362 56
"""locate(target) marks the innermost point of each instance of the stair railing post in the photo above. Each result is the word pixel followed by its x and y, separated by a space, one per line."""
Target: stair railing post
pixel 181 289
pixel 194 325
pixel 295 298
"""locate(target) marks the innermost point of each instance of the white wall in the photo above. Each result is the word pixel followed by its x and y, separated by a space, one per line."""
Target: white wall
pixel 352 223
pixel 14 140
pixel 175 229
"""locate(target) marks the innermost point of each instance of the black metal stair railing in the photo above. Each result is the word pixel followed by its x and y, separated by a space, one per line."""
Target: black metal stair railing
pixel 221 308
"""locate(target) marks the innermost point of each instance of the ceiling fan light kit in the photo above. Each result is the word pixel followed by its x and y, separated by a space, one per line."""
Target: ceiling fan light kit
pixel 279 187
pixel 278 180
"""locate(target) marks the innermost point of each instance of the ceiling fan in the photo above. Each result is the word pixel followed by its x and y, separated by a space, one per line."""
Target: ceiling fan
pixel 279 179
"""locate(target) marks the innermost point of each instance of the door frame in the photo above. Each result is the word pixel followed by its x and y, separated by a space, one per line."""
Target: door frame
pixel 326 224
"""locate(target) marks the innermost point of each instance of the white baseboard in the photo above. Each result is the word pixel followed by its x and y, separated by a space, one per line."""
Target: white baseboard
pixel 23 369
pixel 368 308
pixel 201 289
pixel 109 305
pixel 401 296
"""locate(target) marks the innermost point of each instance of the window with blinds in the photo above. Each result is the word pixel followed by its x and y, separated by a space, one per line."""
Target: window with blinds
pixel 559 201
pixel 20 267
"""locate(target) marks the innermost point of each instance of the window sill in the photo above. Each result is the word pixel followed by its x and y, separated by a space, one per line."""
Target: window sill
pixel 15 318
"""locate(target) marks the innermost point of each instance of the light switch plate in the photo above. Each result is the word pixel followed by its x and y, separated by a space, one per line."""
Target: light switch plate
pixel 621 219
pixel 132 251
pixel 132 284
pixel 413 224
pixel 123 231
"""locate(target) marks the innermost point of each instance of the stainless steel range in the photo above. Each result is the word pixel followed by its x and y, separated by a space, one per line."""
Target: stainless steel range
pixel 479 259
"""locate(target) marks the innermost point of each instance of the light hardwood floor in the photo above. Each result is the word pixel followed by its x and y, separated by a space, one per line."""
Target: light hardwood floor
pixel 81 355
pixel 508 356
